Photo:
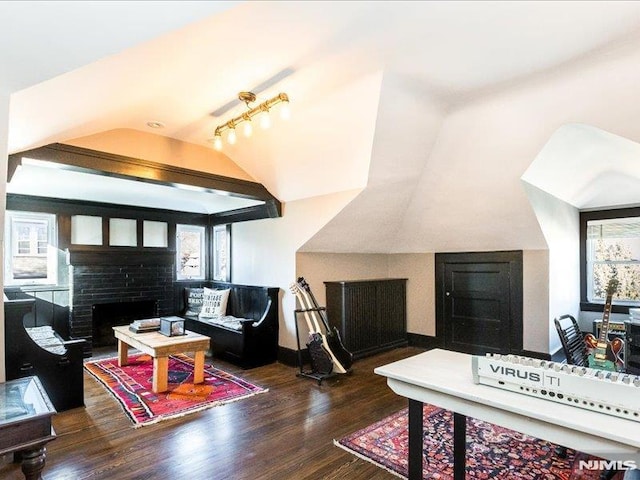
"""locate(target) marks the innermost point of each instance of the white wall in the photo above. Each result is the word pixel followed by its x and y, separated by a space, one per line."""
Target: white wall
pixel 4 130
pixel 418 269
pixel 263 252
pixel 535 300
pixel 317 268
pixel 560 223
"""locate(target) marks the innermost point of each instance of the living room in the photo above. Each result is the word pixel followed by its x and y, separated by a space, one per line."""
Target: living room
pixel 397 151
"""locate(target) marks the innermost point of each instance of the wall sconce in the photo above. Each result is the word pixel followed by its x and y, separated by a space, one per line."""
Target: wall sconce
pixel 247 117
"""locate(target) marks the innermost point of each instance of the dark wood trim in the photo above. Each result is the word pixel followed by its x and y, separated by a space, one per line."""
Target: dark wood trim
pixel 514 259
pixel 103 163
pixel 121 256
pixel 534 354
pixel 599 307
pixel 139 233
pixel 428 343
pixel 585 305
pixel 171 234
pixel 59 206
pixel 424 341
pixel 105 233
pixel 64 231
pixel 256 212
pixel 289 357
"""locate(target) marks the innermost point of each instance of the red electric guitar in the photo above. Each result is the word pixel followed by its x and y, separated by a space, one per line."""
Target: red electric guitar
pixel 605 354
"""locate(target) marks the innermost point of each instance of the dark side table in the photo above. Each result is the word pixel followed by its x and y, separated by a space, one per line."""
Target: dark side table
pixel 25 423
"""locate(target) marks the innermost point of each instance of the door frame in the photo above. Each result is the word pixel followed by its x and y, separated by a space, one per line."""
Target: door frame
pixel 514 259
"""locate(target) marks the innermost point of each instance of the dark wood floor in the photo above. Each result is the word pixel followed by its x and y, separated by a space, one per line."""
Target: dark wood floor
pixel 286 433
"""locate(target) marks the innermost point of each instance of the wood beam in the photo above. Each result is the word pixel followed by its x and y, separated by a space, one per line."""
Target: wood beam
pixel 109 164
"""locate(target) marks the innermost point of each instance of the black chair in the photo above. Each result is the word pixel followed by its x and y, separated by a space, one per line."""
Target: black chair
pixel 572 340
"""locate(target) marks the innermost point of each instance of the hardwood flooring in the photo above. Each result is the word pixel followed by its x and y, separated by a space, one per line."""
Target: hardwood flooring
pixel 286 433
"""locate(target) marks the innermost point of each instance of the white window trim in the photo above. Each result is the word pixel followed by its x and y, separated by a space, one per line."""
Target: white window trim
pixel 203 252
pixel 11 243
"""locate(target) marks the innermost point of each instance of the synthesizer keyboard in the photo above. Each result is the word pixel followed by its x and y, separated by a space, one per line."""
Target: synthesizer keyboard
pixel 612 393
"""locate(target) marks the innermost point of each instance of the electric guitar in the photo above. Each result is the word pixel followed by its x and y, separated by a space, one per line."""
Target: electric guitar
pixel 321 357
pixel 344 356
pixel 605 354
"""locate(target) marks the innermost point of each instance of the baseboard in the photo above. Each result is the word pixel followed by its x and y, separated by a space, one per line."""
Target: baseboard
pixel 428 342
pixel 289 357
pixel 534 354
pixel 423 341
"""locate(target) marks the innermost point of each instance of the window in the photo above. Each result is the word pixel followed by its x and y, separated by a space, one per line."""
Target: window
pixel 154 234
pixel 221 253
pixel 610 247
pixel 86 230
pixel 123 232
pixel 30 250
pixel 190 251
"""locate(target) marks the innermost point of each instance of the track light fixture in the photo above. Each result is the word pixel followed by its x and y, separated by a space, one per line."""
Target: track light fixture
pixel 247 117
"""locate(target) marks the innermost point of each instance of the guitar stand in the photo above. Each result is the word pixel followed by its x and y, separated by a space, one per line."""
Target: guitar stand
pixel 319 377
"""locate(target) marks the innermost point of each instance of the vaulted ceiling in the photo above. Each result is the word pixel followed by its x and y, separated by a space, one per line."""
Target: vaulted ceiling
pixel 433 109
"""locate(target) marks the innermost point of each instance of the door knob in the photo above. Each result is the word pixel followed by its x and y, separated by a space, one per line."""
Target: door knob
pixel 448 294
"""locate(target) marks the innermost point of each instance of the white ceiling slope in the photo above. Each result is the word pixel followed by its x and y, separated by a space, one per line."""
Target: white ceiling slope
pixel 471 92
pixel 370 223
pixel 588 168
pixel 43 39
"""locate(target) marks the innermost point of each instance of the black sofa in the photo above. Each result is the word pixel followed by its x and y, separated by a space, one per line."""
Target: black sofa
pixel 255 342
pixel 60 373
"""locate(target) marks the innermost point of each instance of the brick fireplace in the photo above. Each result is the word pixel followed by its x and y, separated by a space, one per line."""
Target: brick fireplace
pixel 111 284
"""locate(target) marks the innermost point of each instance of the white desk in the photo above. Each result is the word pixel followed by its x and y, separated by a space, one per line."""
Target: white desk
pixel 443 378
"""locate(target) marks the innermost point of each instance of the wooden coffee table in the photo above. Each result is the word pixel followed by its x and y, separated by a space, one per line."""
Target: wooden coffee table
pixel 160 347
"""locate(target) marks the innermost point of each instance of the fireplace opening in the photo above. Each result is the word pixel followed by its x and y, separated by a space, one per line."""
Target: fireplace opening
pixel 105 316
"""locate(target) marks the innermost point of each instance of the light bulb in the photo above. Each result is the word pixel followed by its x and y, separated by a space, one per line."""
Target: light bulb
pixel 248 129
pixel 285 111
pixel 231 138
pixel 265 120
pixel 217 142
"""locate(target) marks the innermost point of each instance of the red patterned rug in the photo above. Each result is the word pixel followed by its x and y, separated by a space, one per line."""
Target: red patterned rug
pixel 131 386
pixel 492 451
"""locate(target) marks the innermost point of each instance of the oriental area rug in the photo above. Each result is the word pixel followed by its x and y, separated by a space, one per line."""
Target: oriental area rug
pixel 492 451
pixel 131 386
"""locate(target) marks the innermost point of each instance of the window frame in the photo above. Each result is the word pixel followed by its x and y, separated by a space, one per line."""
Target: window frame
pixel 203 251
pixel 221 231
pixel 585 217
pixel 12 241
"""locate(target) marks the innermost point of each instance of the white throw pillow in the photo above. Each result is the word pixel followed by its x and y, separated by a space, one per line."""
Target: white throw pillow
pixel 214 303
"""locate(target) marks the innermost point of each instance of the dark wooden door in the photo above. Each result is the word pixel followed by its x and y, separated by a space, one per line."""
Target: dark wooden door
pixel 480 307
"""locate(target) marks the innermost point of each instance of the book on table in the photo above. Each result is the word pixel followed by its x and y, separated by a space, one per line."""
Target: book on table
pixel 145 325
